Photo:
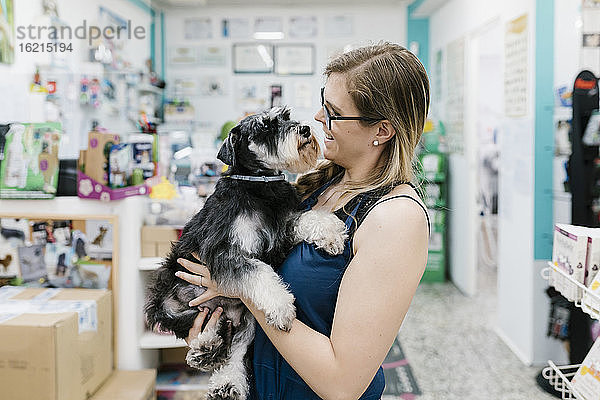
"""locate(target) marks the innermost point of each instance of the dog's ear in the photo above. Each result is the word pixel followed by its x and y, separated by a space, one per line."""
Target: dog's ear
pixel 227 152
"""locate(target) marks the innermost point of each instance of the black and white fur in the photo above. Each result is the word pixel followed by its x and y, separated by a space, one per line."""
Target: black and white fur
pixel 244 229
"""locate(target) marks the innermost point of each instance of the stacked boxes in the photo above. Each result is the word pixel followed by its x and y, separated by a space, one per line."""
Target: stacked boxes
pixel 56 343
pixel 156 240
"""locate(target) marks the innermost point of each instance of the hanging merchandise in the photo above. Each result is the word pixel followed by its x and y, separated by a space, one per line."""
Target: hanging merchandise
pixel 84 90
pixel 591 136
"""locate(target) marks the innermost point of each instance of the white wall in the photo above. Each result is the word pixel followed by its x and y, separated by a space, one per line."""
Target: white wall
pixel 16 78
pixel 370 24
pixel 521 300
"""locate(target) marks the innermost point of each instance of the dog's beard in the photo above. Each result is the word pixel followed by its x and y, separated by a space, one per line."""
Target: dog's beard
pixel 295 153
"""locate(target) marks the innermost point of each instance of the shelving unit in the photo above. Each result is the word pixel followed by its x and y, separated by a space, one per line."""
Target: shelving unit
pixel 560 376
pixel 126 216
pixel 149 263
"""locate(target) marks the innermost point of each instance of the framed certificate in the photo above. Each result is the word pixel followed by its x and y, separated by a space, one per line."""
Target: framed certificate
pixel 295 59
pixel 252 58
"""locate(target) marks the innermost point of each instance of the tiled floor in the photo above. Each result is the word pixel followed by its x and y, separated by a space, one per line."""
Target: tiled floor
pixel 450 343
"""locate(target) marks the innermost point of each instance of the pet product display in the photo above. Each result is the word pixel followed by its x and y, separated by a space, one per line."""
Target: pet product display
pixel 571 253
pixel 97 154
pixel 587 379
pixel 29 167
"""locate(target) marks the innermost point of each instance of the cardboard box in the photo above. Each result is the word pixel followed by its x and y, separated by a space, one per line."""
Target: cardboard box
pixel 156 240
pixel 96 157
pixel 56 343
pixel 129 385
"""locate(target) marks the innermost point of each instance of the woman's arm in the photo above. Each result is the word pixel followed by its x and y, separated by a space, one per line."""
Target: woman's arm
pixel 374 296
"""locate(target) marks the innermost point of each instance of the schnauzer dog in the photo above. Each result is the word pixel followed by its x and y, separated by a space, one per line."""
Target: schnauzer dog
pixel 249 224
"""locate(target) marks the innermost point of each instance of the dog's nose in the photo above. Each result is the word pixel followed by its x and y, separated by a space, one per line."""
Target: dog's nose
pixel 305 131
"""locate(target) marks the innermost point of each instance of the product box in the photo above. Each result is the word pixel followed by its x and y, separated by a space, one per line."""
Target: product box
pixel 96 156
pixel 156 240
pixel 587 378
pixel 129 385
pixel 89 188
pixel 29 169
pixel 569 253
pixel 56 343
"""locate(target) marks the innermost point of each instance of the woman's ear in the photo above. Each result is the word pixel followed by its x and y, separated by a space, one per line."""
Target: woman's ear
pixel 385 132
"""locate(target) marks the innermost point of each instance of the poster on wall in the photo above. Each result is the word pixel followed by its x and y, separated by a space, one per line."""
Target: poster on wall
pixel 197 28
pixel 516 67
pixel 268 24
pixel 303 95
pixel 303 27
pixel 183 56
pixel 339 26
pixel 295 59
pixel 213 85
pixel 235 28
pixel 455 84
pixel 250 97
pixel 7 32
pixel 211 56
pixel 253 58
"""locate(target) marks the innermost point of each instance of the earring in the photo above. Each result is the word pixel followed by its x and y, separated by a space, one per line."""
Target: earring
pixel 375 142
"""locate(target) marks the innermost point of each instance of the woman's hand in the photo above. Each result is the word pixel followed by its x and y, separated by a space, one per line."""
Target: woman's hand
pixel 200 277
pixel 199 321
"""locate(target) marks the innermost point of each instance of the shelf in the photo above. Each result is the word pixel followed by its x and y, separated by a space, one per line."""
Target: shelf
pixel 151 340
pixel 559 378
pixel 584 298
pixel 149 263
pixel 149 89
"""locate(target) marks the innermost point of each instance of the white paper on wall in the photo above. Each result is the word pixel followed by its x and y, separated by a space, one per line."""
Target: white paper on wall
pixel 516 67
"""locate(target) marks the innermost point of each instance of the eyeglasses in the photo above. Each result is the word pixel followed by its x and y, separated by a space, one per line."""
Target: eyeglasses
pixel 329 117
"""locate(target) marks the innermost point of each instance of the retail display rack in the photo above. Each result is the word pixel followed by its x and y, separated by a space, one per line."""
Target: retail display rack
pixel 560 376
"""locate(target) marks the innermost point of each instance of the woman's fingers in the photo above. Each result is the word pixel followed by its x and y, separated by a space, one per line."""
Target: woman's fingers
pixel 197 327
pixel 193 279
pixel 214 318
pixel 194 267
pixel 204 297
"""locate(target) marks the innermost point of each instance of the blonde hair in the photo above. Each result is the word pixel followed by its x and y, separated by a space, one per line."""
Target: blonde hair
pixel 386 82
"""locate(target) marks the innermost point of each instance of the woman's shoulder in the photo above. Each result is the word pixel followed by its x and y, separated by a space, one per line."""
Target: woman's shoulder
pixel 401 205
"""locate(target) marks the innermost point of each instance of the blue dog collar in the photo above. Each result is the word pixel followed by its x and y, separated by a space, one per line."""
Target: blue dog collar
pixel 265 179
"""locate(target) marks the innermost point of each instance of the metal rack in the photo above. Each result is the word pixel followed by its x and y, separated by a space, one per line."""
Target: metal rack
pixel 591 305
pixel 560 376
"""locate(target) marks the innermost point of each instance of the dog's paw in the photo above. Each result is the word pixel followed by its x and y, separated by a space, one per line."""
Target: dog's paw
pixel 203 361
pixel 282 317
pixel 226 392
pixel 333 235
pixel 207 352
pixel 324 230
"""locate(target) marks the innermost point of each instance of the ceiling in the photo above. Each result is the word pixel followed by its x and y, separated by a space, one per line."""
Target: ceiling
pixel 273 3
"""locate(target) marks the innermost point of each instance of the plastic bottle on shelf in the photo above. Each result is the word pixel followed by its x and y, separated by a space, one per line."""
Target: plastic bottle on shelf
pixel 16 165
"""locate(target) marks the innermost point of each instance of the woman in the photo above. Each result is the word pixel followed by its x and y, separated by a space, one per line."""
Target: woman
pixel 350 307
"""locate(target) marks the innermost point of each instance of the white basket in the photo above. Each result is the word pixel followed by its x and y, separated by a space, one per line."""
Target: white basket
pixel 560 379
pixel 574 291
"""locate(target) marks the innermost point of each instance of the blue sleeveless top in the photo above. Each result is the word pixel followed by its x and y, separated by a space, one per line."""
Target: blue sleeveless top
pixel 314 278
